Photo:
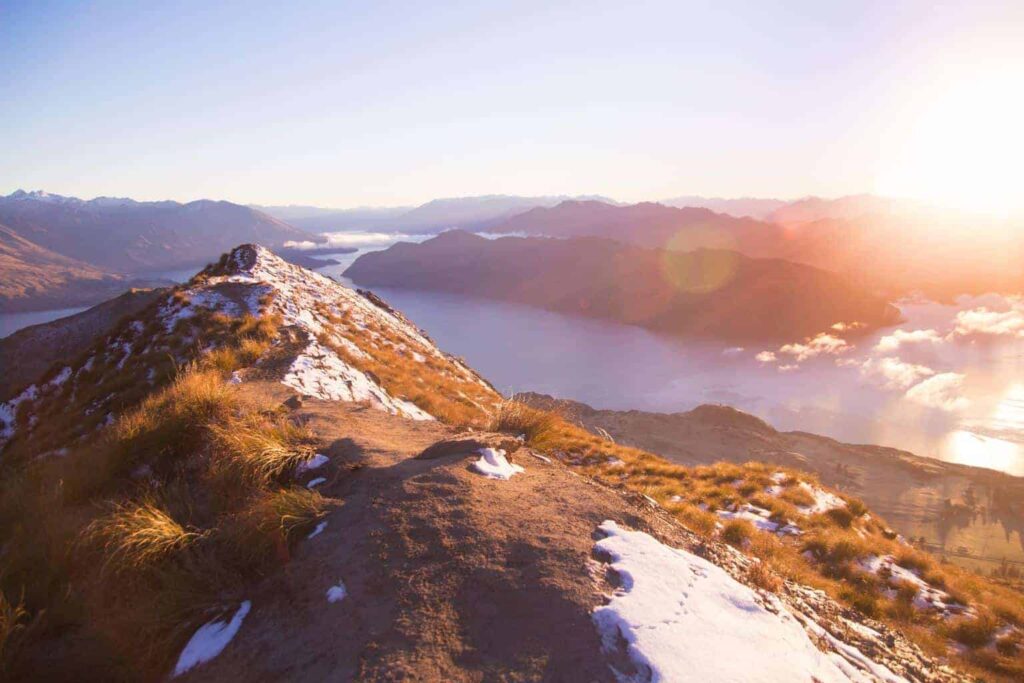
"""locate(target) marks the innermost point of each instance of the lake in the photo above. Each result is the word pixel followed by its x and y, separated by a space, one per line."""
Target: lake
pixel 927 388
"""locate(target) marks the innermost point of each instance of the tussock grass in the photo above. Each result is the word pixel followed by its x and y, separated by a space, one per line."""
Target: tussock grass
pixel 13 621
pixel 137 535
pixel 539 427
pixel 737 532
pixel 835 543
pixel 141 535
pixel 261 448
pixel 434 384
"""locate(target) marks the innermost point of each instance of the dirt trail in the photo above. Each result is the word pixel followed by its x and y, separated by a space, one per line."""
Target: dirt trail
pixel 454 577
pixel 450 576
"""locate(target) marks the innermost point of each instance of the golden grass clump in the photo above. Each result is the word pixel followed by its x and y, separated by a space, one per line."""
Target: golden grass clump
pixel 137 535
pixel 513 417
pixel 261 448
pixel 13 621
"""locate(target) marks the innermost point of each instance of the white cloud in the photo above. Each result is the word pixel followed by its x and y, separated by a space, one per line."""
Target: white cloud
pixel 765 357
pixel 732 351
pixel 844 327
pixel 354 239
pixel 788 368
pixel 942 391
pixel 892 342
pixel 894 373
pixel 822 344
pixel 985 321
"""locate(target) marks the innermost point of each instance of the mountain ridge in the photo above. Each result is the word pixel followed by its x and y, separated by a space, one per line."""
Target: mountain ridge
pixel 708 292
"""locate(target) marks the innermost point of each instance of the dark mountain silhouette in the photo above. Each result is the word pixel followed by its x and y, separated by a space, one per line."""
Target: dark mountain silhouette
pixel 717 293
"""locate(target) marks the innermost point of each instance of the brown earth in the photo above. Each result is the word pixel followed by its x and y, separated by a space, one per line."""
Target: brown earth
pixel 451 576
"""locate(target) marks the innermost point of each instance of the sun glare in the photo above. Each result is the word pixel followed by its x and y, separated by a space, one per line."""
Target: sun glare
pixel 963 145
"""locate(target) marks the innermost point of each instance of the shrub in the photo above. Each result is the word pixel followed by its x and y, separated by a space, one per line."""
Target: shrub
pixel 761 576
pixel 737 532
pixel 974 633
pixel 841 516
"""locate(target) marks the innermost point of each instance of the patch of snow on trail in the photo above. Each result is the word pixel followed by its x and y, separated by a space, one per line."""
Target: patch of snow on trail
pixel 493 464
pixel 315 462
pixel 210 640
pixel 318 530
pixel 316 482
pixel 684 619
pixel 337 593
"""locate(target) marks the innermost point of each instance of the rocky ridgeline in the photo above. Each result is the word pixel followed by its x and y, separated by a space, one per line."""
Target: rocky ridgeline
pixel 325 332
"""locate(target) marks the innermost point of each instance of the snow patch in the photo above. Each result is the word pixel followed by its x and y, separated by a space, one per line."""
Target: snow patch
pixel 337 593
pixel 318 530
pixel 318 372
pixel 313 463
pixel 760 518
pixel 313 483
pixel 493 464
pixel 210 640
pixel 682 618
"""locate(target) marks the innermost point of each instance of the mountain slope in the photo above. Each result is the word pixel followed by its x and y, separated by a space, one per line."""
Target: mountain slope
pixel 915 494
pixel 33 277
pixel 127 236
pixel 451 576
pixel 328 341
pixel 264 475
pixel 27 353
pixel 708 293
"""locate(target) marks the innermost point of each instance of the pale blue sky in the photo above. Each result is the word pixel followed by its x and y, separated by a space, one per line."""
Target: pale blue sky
pixel 344 104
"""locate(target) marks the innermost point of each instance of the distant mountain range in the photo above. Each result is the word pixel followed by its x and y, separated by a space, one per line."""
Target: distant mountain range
pixel 468 213
pixel 708 292
pixel 883 244
pixel 744 207
pixel 58 251
pixel 122 235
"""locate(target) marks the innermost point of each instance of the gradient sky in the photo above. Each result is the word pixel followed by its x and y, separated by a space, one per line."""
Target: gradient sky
pixel 384 103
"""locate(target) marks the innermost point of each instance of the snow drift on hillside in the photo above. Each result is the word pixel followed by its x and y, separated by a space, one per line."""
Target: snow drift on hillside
pixel 309 303
pixel 682 618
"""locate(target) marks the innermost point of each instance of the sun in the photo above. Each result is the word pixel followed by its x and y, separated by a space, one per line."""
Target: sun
pixel 962 145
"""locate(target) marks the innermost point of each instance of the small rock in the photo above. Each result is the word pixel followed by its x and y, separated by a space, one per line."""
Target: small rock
pixel 292 402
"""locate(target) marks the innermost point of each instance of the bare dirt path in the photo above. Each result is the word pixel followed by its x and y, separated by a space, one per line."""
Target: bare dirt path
pixel 450 576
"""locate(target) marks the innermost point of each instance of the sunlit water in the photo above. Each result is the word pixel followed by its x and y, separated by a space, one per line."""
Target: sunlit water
pixel 609 365
pixel 980 420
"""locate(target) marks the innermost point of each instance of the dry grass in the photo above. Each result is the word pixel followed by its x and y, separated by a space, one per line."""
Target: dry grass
pixel 259 448
pixel 167 547
pixel 539 427
pixel 13 620
pixel 836 541
pixel 138 534
pixel 434 383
